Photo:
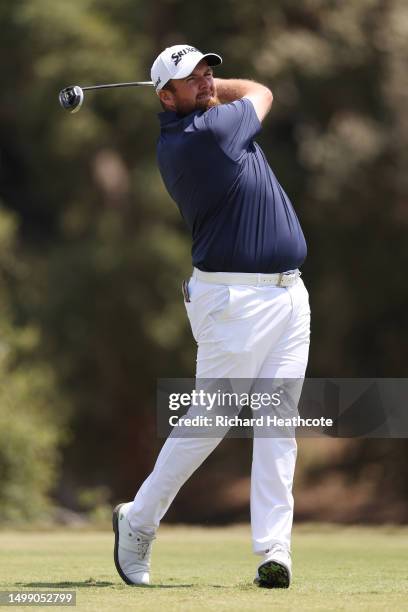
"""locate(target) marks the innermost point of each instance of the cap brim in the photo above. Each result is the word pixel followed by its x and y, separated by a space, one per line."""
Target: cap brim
pixel 212 59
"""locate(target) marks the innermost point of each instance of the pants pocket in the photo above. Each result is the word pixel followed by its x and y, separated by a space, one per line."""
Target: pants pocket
pixel 233 325
pixel 206 301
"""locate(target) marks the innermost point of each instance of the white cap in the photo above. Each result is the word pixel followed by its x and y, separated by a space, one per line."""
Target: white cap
pixel 178 62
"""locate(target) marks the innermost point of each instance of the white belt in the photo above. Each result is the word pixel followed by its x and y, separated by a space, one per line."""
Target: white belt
pixel 284 279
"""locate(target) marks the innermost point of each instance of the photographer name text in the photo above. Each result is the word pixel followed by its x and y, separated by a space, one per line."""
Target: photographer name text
pixel 260 421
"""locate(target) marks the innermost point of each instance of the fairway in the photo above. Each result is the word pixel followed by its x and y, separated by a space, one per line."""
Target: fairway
pixel 335 568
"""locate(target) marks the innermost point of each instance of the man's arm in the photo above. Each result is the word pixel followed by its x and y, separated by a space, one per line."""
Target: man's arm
pixel 229 90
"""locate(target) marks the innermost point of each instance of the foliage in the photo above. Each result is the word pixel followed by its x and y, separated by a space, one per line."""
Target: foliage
pixel 30 427
pixel 104 246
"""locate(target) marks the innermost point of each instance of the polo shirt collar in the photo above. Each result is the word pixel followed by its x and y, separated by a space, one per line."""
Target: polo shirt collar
pixel 172 119
pixel 167 117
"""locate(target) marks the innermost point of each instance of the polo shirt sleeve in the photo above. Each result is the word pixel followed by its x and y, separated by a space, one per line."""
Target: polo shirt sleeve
pixel 233 125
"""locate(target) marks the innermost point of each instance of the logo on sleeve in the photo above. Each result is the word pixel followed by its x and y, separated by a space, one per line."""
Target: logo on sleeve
pixel 177 57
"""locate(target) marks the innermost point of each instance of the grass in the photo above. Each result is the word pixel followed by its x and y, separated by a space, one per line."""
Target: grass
pixel 335 568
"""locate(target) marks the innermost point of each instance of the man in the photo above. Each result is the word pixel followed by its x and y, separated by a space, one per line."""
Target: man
pixel 247 305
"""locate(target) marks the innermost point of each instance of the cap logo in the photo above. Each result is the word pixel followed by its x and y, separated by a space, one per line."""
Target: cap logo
pixel 177 57
pixel 157 83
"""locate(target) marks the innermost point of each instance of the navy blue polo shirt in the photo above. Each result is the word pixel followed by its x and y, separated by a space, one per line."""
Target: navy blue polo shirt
pixel 240 218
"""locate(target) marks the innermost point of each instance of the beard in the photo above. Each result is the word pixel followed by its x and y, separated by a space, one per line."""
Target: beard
pixel 200 105
pixel 213 101
pixel 207 103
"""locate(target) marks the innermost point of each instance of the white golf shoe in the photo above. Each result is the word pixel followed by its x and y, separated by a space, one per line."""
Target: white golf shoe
pixel 275 571
pixel 132 549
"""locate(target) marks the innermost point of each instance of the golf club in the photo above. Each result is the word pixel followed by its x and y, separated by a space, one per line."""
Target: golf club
pixel 72 97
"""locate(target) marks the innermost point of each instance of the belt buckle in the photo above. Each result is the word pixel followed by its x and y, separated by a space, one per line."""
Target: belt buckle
pixel 286 279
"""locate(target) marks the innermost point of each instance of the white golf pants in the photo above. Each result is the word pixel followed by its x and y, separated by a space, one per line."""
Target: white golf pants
pixel 241 332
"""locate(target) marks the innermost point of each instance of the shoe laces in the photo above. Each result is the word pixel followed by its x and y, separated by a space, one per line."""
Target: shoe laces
pixel 142 547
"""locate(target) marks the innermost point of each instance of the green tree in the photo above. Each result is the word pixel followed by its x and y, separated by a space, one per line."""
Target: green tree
pixel 30 427
pixel 105 246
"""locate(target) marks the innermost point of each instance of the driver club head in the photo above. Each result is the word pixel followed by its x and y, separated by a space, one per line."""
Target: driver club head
pixel 71 98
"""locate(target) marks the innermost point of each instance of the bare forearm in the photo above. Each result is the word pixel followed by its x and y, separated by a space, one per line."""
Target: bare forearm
pixel 228 90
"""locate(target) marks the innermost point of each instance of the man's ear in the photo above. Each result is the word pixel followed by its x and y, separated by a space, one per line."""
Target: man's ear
pixel 166 98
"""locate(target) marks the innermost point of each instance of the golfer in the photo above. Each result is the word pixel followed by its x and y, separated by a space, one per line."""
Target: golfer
pixel 247 305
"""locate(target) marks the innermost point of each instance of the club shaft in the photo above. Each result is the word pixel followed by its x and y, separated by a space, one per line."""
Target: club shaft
pixel 111 85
